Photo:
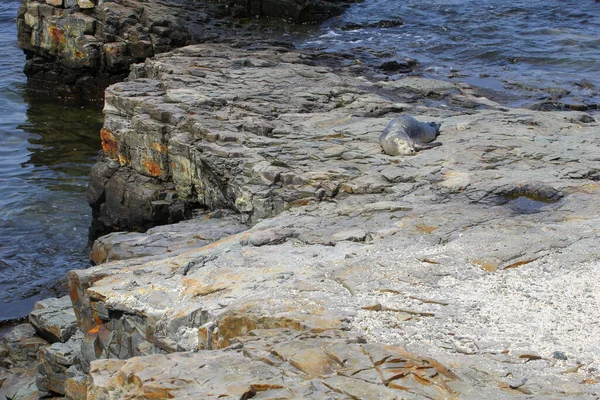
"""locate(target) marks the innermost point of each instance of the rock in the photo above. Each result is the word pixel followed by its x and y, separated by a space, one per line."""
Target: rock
pixel 166 241
pixel 54 319
pixel 395 66
pixel 559 355
pixel 76 384
pixel 328 233
pixel 274 363
pixel 391 23
pixel 86 4
pixel 354 235
pixel 67 51
pixel 20 346
pixel 20 385
pixel 517 383
pixel 75 54
pixel 305 12
pixel 55 362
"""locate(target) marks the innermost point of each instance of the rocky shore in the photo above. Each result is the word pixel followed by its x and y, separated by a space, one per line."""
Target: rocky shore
pixel 76 48
pixel 307 263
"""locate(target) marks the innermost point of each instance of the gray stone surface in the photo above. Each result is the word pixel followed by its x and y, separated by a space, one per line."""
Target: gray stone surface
pixel 276 363
pixel 75 48
pixel 480 253
pixel 55 361
pixel 19 348
pixel 54 319
pixel 167 240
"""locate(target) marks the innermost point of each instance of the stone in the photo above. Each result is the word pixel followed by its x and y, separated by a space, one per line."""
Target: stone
pixel 20 385
pixel 299 369
pixel 328 234
pixel 76 383
pixel 55 361
pixel 86 4
pixel 167 240
pixel 80 62
pixel 54 319
pixel 20 346
pixel 559 355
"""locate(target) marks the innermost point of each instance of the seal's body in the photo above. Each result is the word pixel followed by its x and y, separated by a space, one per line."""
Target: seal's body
pixel 404 135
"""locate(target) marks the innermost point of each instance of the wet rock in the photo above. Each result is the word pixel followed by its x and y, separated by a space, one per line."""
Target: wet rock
pixel 395 66
pixel 297 12
pixel 386 23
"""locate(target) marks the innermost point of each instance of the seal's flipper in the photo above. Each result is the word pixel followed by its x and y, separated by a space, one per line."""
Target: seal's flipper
pixel 424 146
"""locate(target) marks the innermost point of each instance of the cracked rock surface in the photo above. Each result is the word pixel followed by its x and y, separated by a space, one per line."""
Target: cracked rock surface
pixel 75 48
pixel 480 254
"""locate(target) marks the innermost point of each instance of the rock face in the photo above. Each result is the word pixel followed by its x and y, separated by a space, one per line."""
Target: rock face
pixel 276 363
pixel 19 349
pixel 54 319
pixel 167 240
pixel 77 48
pixel 82 46
pixel 302 12
pixel 478 253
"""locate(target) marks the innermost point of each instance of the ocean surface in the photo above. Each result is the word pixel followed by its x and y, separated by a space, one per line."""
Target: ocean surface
pixel 524 51
pixel 46 152
pixel 527 50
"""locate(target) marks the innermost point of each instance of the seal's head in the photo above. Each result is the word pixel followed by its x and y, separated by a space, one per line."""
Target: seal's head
pixel 404 147
pixel 436 126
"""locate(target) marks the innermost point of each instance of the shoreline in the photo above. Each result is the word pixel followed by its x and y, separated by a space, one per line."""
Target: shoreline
pixel 343 238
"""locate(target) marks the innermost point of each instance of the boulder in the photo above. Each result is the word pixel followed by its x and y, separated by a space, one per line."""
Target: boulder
pixel 54 319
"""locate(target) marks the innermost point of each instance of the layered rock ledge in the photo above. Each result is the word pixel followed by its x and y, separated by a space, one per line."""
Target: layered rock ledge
pixel 467 271
pixel 480 253
pixel 76 48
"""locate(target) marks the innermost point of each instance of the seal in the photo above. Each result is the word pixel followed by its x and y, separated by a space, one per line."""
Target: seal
pixel 404 135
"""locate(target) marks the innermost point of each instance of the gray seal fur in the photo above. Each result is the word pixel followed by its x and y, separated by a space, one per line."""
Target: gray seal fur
pixel 404 135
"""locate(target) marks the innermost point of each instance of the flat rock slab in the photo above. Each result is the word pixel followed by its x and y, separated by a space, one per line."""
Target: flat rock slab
pixel 480 253
pixel 54 319
pixel 167 240
pixel 276 364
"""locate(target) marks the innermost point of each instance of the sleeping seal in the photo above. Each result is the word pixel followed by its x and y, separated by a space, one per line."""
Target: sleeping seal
pixel 405 135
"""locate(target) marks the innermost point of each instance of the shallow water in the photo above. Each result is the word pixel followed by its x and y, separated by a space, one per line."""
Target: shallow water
pixel 46 152
pixel 532 48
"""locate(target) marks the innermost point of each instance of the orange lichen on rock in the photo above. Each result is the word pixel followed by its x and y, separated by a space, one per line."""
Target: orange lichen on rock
pixel 123 161
pixel 488 265
pixel 57 35
pixel 427 228
pixel 94 330
pixel 161 148
pixel 152 167
pixel 110 144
